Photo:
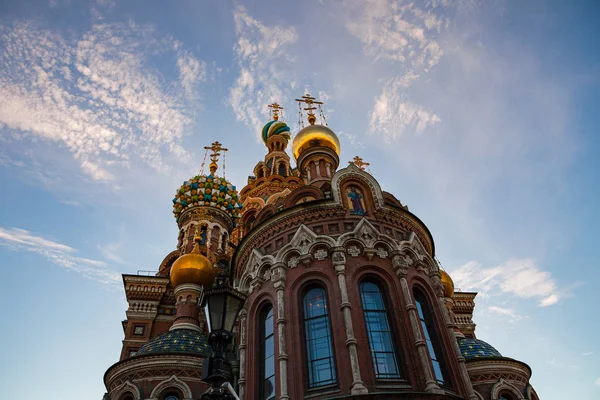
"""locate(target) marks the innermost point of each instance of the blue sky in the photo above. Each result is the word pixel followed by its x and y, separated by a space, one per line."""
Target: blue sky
pixel 481 116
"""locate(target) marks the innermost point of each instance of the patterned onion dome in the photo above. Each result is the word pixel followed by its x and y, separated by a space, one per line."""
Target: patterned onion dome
pixel 178 341
pixel 315 135
pixel 207 190
pixel 275 128
pixel 475 348
pixel 447 283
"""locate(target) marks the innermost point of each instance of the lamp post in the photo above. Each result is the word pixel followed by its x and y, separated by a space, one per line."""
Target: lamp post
pixel 222 305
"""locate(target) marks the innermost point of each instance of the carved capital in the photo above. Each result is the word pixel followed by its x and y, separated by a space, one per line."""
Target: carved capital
pixel 400 264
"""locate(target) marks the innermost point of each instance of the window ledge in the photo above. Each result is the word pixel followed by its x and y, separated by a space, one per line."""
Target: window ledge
pixel 316 392
pixel 393 385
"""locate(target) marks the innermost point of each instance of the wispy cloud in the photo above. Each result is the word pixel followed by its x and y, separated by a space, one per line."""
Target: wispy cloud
pixel 60 254
pixel 587 353
pixel 519 277
pixel 506 313
pixel 99 95
pixel 597 381
pixel 261 55
pixel 406 34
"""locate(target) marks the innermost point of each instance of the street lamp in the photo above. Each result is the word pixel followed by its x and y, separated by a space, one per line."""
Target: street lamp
pixel 222 305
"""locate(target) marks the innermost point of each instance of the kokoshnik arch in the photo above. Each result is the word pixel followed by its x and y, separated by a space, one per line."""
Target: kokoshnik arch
pixel 345 297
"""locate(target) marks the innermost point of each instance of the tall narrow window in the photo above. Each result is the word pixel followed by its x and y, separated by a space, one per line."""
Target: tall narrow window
pixel 267 359
pixel 430 334
pixel 385 360
pixel 319 349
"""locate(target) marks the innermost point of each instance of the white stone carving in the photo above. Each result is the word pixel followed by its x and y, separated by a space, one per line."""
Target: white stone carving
pixel 354 251
pixel 381 252
pixel 321 254
pixel 293 262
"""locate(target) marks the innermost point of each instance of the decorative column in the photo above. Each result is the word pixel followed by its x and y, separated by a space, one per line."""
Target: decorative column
pixel 278 274
pixel 401 264
pixel 317 168
pixel 308 173
pixel 339 263
pixel 439 290
pixel 242 352
pixel 328 169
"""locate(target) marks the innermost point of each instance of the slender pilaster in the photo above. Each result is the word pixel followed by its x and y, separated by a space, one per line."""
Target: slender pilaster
pixel 339 262
pixel 439 289
pixel 317 168
pixel 401 267
pixel 278 279
pixel 242 352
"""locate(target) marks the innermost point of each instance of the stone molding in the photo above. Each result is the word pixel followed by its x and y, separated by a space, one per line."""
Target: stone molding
pixel 126 388
pixel 503 385
pixel 139 368
pixel 172 382
pixel 353 172
pixel 484 371
pixel 306 246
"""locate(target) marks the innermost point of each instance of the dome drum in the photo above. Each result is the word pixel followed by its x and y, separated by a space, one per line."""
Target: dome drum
pixel 206 214
pixel 318 152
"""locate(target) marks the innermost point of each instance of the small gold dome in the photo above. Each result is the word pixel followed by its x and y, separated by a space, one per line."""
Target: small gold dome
pixel 193 267
pixel 447 283
pixel 315 135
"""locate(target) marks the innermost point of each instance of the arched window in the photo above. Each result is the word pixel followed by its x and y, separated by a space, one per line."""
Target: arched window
pixel 282 169
pixel 267 354
pixel 431 338
pixel 383 354
pixel 171 397
pixel 319 346
pixel 505 396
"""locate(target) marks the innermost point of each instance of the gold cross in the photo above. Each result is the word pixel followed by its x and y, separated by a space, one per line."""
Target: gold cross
pixel 275 108
pixel 216 149
pixel 310 110
pixel 359 163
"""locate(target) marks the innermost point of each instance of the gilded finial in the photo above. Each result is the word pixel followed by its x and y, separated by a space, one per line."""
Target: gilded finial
pixel 197 240
pixel 310 109
pixel 275 108
pixel 216 149
pixel 359 162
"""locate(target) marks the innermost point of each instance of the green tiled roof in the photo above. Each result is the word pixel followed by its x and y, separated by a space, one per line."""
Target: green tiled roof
pixel 184 341
pixel 475 348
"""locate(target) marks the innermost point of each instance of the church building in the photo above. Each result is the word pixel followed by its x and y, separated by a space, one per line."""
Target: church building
pixel 345 298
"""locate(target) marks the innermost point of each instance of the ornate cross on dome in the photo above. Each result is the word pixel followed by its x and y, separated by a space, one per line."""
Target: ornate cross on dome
pixel 310 109
pixel 216 149
pixel 275 108
pixel 359 163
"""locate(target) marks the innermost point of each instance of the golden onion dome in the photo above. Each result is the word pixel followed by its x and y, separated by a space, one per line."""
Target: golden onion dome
pixel 193 267
pixel 313 136
pixel 447 283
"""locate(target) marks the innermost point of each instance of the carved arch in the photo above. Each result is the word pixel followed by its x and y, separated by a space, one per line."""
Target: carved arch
pixel 275 196
pixel 268 211
pixel 509 387
pixel 172 383
pixel 353 172
pixel 301 192
pixel 126 388
pixel 366 233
